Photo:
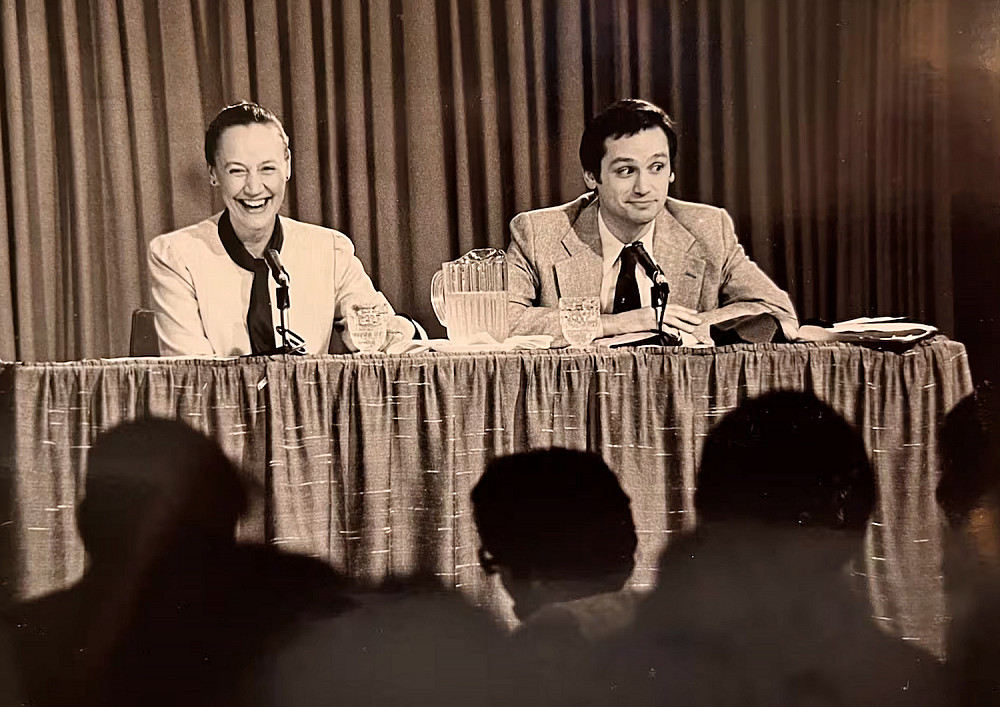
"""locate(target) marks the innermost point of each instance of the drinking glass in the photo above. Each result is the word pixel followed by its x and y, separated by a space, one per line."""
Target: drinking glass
pixel 580 318
pixel 367 323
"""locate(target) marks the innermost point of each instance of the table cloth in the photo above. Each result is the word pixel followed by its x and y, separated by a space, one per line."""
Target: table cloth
pixel 367 461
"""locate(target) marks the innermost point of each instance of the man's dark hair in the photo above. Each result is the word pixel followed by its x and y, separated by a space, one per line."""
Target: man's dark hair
pixel 242 113
pixel 786 458
pixel 621 119
pixel 555 514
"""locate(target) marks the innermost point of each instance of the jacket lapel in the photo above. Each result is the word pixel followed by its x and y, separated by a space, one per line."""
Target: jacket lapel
pixel 684 270
pixel 579 275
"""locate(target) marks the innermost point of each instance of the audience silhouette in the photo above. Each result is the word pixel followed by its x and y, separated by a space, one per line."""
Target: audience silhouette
pixel 170 610
pixel 557 528
pixel 969 494
pixel 758 605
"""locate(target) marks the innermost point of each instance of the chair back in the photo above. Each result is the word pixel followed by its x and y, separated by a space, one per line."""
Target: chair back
pixel 144 341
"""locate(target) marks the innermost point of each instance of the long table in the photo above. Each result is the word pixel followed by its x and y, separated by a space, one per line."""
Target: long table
pixel 367 461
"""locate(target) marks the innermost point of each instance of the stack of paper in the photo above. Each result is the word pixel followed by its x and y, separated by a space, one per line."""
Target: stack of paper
pixel 881 331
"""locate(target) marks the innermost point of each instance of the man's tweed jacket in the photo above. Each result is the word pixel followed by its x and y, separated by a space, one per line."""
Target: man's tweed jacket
pixel 556 252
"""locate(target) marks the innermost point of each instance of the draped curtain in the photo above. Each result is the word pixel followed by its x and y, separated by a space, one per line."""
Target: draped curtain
pixel 420 127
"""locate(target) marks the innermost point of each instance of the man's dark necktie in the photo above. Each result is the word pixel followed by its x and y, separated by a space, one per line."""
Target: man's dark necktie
pixel 627 288
pixel 259 324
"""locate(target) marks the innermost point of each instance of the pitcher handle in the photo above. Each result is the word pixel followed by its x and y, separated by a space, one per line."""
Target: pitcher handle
pixel 437 297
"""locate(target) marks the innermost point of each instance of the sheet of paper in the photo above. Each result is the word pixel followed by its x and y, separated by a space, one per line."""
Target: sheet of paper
pixel 869 329
pixel 481 344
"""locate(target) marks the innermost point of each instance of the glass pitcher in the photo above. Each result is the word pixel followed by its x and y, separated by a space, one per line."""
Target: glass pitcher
pixel 469 295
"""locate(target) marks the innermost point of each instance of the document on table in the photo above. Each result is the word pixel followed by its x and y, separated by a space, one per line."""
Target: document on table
pixel 870 330
pixel 483 344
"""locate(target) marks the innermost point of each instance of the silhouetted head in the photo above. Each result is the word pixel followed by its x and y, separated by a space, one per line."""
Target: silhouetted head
pixel 556 524
pixel 786 459
pixel 157 482
pixel 970 478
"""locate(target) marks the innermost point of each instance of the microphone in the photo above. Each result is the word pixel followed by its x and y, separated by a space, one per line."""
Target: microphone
pixel 273 261
pixel 652 269
pixel 660 292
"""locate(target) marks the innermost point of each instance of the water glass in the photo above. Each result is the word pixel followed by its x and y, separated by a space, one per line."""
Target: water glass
pixel 367 324
pixel 580 318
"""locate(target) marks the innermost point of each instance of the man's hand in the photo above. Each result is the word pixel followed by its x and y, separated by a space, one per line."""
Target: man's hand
pixel 691 324
pixel 703 334
pixel 681 318
pixel 644 319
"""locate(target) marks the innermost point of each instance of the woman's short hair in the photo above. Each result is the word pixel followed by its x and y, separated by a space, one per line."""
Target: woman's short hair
pixel 242 113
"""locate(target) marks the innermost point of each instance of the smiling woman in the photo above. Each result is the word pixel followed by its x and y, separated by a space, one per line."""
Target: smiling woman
pixel 212 288
pixel 250 166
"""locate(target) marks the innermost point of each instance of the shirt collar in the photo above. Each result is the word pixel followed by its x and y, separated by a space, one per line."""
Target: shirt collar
pixel 235 248
pixel 611 247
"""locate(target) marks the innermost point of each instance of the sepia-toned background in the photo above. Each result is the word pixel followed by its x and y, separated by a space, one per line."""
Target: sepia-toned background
pixel 855 142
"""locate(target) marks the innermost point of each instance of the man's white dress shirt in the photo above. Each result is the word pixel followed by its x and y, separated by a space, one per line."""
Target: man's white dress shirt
pixel 611 250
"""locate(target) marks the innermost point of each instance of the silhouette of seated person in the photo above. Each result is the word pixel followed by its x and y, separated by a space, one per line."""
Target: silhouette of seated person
pixel 969 494
pixel 557 527
pixel 759 605
pixel 170 610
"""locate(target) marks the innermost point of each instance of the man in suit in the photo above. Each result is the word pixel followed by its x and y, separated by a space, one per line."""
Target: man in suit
pixel 579 249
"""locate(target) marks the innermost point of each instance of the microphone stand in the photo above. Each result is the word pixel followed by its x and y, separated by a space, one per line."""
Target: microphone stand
pixel 291 343
pixel 658 296
pixel 284 302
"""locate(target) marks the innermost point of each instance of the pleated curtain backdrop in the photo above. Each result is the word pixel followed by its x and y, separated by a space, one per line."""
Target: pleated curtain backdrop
pixel 420 127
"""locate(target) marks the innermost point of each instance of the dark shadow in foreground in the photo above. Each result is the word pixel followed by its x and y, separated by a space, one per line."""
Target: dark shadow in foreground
pixel 171 610
pixel 759 605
